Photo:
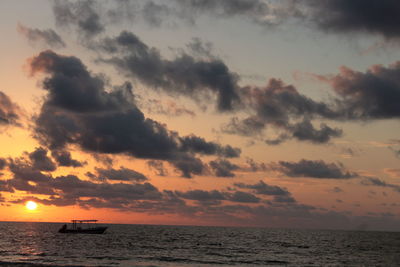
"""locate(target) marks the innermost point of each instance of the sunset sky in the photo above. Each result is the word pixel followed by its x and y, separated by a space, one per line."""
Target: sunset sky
pixel 278 113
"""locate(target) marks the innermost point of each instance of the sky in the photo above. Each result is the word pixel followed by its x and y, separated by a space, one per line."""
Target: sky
pixel 229 113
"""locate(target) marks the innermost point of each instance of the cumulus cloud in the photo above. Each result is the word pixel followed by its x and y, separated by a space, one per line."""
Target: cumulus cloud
pixel 70 189
pixel 262 188
pixel 365 16
pixel 63 158
pixel 378 17
pixel 282 107
pixel 3 163
pixel 184 75
pixel 223 168
pixel 40 160
pixel 10 113
pixel 91 17
pixel 372 181
pixel 243 197
pixel 373 94
pixel 158 166
pixel 121 174
pixel 79 110
pixel 82 15
pixel 313 169
pixel 44 37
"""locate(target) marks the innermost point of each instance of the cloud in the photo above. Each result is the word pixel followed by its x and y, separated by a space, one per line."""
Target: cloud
pixel 373 94
pixel 121 174
pixel 284 199
pixel 10 113
pixel 253 166
pixel 262 188
pixel 197 144
pixel 313 169
pixel 213 197
pixel 282 107
pixel 243 197
pixel 3 163
pixel 44 37
pixel 69 189
pixel 188 165
pixel 79 110
pixel 158 166
pixel 330 16
pixel 183 75
pixel 223 168
pixel 169 108
pixel 364 16
pixel 91 17
pixel 82 15
pixel 63 158
pixel 372 181
pixel 40 160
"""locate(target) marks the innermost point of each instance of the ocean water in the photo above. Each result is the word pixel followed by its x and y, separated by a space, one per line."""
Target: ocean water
pixel 148 245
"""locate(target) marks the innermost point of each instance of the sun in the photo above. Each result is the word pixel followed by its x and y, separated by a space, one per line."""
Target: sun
pixel 31 205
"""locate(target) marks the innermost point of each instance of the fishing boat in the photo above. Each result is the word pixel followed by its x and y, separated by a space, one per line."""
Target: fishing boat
pixel 83 227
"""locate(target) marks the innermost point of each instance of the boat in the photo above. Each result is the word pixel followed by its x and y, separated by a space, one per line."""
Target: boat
pixel 83 227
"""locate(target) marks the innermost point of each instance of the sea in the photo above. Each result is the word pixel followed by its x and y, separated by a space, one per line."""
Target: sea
pixel 39 244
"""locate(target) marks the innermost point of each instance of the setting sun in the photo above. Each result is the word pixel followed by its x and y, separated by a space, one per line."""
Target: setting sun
pixel 31 205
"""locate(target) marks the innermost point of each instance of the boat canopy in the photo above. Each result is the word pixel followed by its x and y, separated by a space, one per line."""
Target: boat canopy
pixel 83 221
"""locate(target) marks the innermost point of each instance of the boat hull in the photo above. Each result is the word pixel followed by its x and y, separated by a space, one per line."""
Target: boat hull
pixel 97 230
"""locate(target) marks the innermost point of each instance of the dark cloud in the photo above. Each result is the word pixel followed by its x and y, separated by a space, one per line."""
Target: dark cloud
pixel 282 107
pixel 3 163
pixel 373 94
pixel 63 158
pixel 82 14
pixel 183 75
pixel 256 11
pixel 206 197
pixel 313 169
pixel 284 199
pixel 29 179
pixel 332 16
pixel 158 166
pixel 9 111
pixel 305 131
pixel 79 110
pixel 73 186
pixel 5 186
pixel 197 144
pixel 253 166
pixel 368 16
pixel 40 160
pixel 188 165
pixel 372 181
pixel 45 37
pixel 69 189
pixel 243 197
pixel 121 174
pixel 250 126
pixel 200 49
pixel 262 188
pixel 223 168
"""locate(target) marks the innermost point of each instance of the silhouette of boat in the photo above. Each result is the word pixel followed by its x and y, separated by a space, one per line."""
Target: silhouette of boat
pixel 83 227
